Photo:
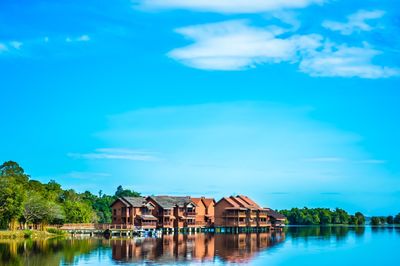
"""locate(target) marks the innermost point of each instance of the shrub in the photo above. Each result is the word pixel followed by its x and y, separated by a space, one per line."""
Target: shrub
pixel 55 231
pixel 27 234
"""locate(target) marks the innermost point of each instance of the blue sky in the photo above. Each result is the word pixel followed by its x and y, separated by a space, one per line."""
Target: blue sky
pixel 293 102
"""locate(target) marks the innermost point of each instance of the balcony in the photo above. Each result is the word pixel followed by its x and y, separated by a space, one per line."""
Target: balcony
pixel 190 213
pixel 234 214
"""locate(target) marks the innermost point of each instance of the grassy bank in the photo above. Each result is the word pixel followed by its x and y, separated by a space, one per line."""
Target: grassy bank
pixel 30 234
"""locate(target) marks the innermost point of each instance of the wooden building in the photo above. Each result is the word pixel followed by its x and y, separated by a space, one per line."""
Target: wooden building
pixel 240 212
pixel 204 211
pixel 135 211
pixel 173 212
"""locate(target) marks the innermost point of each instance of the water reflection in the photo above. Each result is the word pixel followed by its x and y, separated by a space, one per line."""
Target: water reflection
pixel 198 247
pixel 179 249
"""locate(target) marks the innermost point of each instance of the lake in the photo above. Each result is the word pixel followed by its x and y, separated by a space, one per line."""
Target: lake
pixel 293 246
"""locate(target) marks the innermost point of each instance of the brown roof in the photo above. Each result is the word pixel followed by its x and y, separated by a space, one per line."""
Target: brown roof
pixel 231 202
pixel 249 201
pixel 196 201
pixel 275 215
pixel 208 201
pixel 241 202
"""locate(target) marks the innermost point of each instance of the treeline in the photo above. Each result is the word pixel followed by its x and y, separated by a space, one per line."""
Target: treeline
pixel 382 220
pixel 322 216
pixel 25 201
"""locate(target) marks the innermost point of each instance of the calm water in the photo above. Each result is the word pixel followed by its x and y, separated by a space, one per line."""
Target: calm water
pixel 295 246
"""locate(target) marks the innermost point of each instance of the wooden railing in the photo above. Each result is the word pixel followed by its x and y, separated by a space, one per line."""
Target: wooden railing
pixel 93 226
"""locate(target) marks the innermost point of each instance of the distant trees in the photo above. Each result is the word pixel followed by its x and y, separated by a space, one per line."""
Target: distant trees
pixel 397 219
pixel 390 219
pixel 24 201
pixel 126 192
pixel 322 216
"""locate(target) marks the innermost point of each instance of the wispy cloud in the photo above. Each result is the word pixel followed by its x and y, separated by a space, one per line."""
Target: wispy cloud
pixel 116 154
pixel 236 45
pixel 356 22
pixel 343 61
pixel 227 6
pixel 82 38
pixel 325 159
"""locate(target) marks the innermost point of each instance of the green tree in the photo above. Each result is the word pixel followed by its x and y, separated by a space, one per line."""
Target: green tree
pixel 360 218
pixel 78 212
pixel 12 196
pixel 390 219
pixel 126 192
pixel 375 220
pixel 13 170
pixel 396 219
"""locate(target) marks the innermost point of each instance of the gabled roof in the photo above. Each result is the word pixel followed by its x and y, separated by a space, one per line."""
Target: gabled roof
pixel 197 201
pixel 168 202
pixel 208 201
pixel 230 202
pixel 249 201
pixel 135 202
pixel 274 214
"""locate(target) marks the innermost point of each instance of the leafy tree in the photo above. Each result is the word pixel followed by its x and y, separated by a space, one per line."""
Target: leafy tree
pixel 126 192
pixel 38 210
pixel 13 170
pixel 360 218
pixel 375 220
pixel 396 219
pixel 390 219
pixel 78 212
pixel 12 196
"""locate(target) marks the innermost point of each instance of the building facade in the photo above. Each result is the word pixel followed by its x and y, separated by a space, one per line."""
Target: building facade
pixel 240 211
pixel 136 211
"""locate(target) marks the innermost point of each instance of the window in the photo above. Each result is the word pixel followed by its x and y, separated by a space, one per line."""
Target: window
pixel 115 211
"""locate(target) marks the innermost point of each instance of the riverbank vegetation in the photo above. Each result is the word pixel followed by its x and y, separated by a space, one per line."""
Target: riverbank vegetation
pixel 28 203
pixel 322 216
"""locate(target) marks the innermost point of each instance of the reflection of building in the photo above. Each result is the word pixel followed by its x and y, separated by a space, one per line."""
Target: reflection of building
pixel 133 211
pixel 241 211
pixel 194 247
pixel 236 248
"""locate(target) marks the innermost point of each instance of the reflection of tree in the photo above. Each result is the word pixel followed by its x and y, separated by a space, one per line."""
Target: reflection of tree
pixel 44 252
pixel 324 232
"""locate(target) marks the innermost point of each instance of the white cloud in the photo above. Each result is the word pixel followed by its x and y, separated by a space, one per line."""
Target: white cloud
pixel 236 45
pixel 116 154
pixel 344 61
pixel 355 22
pixel 82 38
pixel 228 6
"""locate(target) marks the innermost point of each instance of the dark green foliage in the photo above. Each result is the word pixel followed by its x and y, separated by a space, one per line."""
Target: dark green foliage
pixel 322 216
pixel 375 220
pixel 390 219
pixel 24 201
pixel 126 192
pixel 397 219
pixel 27 234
